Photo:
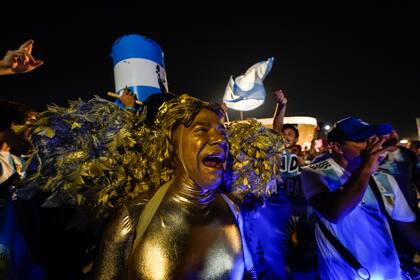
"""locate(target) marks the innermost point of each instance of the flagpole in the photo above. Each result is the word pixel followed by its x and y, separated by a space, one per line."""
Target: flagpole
pixel 227 116
pixel 225 110
pixel 275 111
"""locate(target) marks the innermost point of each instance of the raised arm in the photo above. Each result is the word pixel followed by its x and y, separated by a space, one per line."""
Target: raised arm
pixel 280 112
pixel 337 204
pixel 312 151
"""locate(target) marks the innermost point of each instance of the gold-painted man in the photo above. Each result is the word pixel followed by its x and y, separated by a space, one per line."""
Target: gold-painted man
pixel 188 229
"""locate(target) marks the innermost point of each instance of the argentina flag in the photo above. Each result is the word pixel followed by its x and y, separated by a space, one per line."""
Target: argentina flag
pixel 139 65
pixel 247 91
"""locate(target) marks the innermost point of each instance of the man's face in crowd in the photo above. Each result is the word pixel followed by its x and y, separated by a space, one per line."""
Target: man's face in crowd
pixel 4 147
pixel 201 150
pixel 352 151
pixel 290 136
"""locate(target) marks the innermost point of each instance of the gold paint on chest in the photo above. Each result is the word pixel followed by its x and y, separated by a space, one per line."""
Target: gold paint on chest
pixel 181 245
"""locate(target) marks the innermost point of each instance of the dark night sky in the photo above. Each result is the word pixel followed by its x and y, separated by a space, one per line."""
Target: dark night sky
pixel 333 62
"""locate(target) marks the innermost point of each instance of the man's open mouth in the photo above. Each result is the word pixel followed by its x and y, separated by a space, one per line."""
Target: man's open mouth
pixel 215 160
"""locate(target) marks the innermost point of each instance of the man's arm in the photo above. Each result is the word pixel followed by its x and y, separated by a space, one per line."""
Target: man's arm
pixel 335 205
pixel 111 263
pixel 280 110
pixel 311 154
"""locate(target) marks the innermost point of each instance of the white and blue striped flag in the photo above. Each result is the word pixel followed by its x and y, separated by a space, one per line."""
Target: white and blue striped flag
pixel 139 65
pixel 247 91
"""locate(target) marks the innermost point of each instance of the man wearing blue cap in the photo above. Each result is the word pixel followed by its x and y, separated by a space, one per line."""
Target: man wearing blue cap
pixel 354 204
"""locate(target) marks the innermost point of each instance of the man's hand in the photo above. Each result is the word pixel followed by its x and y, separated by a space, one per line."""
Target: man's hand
pixel 280 97
pixel 374 154
pixel 20 60
pixel 224 107
pixel 127 99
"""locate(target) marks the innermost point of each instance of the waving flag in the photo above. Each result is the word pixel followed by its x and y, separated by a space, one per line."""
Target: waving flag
pixel 247 91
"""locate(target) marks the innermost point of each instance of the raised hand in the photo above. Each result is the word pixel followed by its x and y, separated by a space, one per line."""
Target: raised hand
pixel 20 60
pixel 374 153
pixel 127 98
pixel 280 97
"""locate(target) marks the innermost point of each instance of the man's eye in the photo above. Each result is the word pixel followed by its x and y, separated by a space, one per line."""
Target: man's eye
pixel 201 129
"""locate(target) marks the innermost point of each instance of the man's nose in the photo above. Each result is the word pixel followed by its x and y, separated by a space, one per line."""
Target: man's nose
pixel 218 137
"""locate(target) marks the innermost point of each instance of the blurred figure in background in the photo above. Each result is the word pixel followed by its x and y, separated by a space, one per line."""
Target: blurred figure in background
pixel 415 147
pixel 15 257
pixel 280 232
pixel 12 115
pixel 403 164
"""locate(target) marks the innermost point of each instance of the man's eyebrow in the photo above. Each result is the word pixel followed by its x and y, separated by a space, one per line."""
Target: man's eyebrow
pixel 201 123
pixel 207 124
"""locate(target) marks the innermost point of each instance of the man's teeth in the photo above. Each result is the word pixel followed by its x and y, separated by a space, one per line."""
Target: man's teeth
pixel 215 158
pixel 214 161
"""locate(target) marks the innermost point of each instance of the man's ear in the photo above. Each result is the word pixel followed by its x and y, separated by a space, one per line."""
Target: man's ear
pixel 336 147
pixel 175 139
pixel 175 160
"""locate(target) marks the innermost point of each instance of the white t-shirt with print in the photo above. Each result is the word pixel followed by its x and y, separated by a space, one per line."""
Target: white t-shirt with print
pixel 364 231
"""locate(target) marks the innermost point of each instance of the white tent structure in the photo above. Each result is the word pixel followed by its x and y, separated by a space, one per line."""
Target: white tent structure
pixel 305 125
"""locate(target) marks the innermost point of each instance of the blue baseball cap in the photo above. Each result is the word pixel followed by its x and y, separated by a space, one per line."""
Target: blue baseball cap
pixel 355 129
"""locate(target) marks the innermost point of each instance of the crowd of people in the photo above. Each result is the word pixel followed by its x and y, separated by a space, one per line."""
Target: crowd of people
pixel 346 211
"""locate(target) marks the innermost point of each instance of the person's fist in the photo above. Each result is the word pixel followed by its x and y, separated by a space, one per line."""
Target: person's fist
pixel 127 99
pixel 280 97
